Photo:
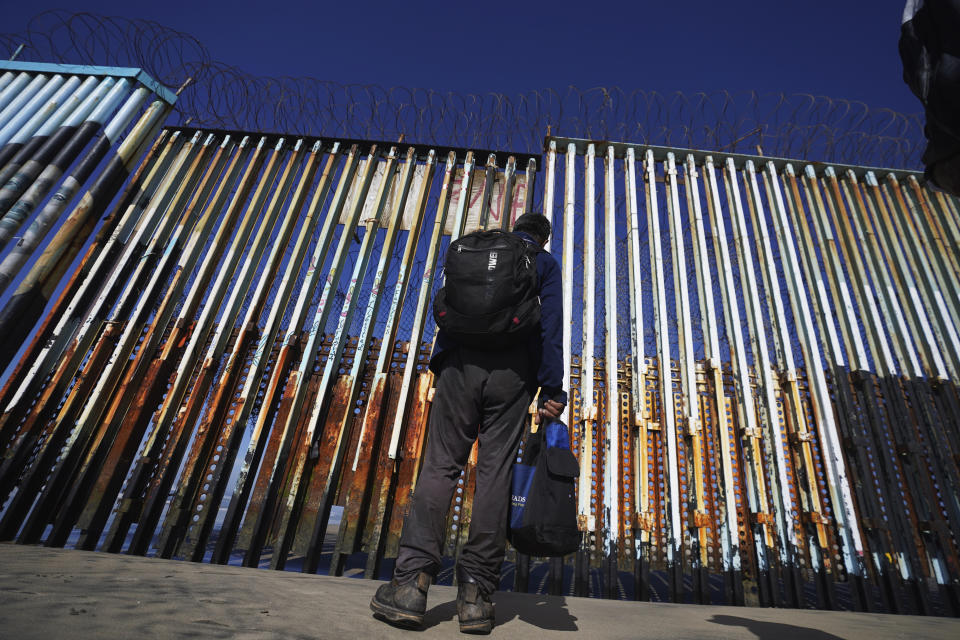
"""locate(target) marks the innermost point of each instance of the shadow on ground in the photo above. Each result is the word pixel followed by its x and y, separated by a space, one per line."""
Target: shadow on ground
pixel 774 630
pixel 547 613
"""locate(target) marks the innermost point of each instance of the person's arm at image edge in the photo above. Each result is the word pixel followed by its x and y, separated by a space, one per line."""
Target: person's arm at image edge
pixel 553 398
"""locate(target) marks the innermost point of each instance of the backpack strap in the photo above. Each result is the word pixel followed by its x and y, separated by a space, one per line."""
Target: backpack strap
pixel 536 247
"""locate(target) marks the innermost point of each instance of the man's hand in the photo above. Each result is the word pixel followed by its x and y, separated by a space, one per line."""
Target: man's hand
pixel 549 410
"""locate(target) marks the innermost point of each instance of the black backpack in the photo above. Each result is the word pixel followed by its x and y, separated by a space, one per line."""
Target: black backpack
pixel 543 507
pixel 490 297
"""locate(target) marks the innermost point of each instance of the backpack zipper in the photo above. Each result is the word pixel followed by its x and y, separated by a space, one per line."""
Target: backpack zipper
pixel 499 247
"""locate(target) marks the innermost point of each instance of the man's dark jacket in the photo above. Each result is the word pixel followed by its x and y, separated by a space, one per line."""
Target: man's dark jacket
pixel 548 350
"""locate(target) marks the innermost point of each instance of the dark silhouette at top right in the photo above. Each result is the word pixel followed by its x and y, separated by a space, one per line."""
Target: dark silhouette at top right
pixel 930 51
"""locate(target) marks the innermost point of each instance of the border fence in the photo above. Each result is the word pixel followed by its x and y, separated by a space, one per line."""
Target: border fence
pixel 215 360
pixel 771 391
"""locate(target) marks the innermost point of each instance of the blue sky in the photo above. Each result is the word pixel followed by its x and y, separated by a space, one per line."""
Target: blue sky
pixel 838 48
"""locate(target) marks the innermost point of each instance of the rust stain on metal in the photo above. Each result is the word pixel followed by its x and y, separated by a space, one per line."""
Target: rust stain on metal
pixel 360 486
pixel 408 472
pixel 338 417
pixel 383 481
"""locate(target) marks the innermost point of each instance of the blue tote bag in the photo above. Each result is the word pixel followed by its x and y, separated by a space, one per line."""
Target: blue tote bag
pixel 543 510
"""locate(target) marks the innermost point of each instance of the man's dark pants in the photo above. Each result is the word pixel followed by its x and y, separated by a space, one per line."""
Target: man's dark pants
pixel 479 394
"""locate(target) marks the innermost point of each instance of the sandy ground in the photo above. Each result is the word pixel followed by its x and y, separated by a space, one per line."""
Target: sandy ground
pixel 56 593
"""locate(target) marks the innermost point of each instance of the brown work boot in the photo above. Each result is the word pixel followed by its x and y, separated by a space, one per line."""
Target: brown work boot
pixel 474 608
pixel 402 604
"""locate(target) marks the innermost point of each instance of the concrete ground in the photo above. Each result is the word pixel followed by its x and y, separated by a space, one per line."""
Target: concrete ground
pixel 80 595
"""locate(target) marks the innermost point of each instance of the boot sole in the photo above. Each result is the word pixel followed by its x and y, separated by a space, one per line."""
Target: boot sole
pixel 395 616
pixel 478 627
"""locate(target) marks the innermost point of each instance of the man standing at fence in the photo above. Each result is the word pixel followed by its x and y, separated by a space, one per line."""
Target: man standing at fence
pixel 500 338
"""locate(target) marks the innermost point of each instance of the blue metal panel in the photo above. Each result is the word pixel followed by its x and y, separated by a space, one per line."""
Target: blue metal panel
pixel 140 75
